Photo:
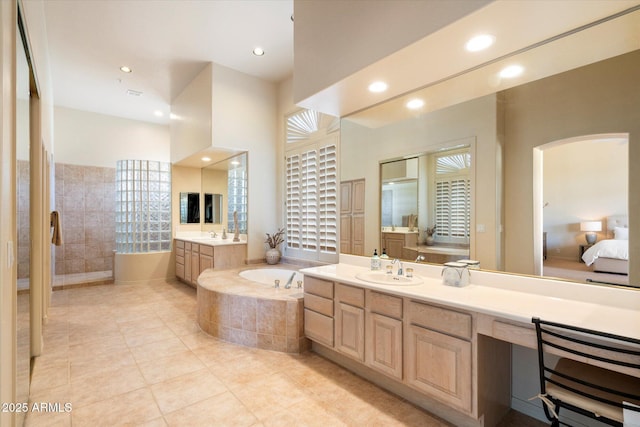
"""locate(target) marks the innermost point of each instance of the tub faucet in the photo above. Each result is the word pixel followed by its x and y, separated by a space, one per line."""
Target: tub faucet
pixel 288 285
pixel 400 270
pixel 419 258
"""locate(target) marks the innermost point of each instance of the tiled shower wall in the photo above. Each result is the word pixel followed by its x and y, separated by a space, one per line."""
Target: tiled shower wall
pixel 85 199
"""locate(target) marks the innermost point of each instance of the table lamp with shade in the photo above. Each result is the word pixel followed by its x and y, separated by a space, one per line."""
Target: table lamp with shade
pixel 591 227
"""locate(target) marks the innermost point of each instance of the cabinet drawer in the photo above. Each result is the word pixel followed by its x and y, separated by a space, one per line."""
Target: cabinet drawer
pixel 206 250
pixel 318 287
pixel 180 271
pixel 319 304
pixel 187 246
pixel 318 327
pixel 179 260
pixel 384 304
pixel 195 247
pixel 179 252
pixel 180 244
pixel 350 295
pixel 440 319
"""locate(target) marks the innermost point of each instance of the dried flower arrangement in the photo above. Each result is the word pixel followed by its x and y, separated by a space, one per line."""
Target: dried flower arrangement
pixel 274 240
pixel 430 231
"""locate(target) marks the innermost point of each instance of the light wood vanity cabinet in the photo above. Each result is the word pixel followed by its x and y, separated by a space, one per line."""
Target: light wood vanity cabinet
pixel 426 347
pixel 318 310
pixel 438 353
pixel 193 258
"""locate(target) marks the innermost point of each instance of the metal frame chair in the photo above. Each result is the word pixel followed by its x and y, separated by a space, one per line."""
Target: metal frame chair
pixel 592 391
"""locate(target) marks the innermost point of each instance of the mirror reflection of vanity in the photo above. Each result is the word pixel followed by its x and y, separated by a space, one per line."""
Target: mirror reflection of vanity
pixel 431 189
pixel 507 124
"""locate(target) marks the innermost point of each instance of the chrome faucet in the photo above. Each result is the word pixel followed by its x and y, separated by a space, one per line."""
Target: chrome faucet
pixel 213 234
pixel 288 285
pixel 400 270
pixel 419 258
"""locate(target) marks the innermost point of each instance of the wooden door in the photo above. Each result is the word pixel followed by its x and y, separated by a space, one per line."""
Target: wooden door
pixel 357 197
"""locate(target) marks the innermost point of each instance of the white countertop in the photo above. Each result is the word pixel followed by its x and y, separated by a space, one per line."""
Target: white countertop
pixel 206 239
pixel 516 298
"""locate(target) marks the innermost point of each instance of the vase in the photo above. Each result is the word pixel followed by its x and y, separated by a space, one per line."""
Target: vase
pixel 272 256
pixel 429 241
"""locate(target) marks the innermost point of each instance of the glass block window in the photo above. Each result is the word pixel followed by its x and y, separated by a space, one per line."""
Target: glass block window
pixel 237 188
pixel 143 206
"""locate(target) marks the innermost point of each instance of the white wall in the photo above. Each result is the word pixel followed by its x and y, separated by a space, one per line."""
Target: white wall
pixel 92 139
pixel 585 180
pixel 191 117
pixel 244 118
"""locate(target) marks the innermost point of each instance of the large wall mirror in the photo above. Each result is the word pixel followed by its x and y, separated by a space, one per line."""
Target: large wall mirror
pixel 224 185
pixel 23 318
pixel 525 201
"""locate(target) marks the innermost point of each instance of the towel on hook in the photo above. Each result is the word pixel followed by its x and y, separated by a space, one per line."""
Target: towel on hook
pixel 56 236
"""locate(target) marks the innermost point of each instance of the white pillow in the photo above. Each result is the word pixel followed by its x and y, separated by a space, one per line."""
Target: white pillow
pixel 621 233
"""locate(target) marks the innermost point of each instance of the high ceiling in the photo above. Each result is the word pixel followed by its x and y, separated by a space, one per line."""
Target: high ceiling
pixel 165 42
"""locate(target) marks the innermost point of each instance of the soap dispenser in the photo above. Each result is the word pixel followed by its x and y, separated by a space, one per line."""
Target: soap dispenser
pixel 375 261
pixel 384 254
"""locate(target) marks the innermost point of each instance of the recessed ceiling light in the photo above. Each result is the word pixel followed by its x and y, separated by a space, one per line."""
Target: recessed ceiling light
pixel 378 87
pixel 414 104
pixel 480 42
pixel 511 71
pixel 125 69
pixel 206 159
pixel 158 113
pixel 258 51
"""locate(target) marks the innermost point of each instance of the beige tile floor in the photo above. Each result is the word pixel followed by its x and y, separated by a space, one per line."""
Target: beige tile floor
pixel 134 355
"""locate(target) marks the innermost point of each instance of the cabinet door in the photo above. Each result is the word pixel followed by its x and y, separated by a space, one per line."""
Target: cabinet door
pixel 187 264
pixel 384 344
pixel 345 234
pixel 357 235
pixel 195 267
pixel 394 247
pixel 439 365
pixel 206 261
pixel 345 197
pixel 350 330
pixel 357 197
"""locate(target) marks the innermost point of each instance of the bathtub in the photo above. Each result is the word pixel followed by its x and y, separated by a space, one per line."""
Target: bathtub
pixel 244 307
pixel 267 276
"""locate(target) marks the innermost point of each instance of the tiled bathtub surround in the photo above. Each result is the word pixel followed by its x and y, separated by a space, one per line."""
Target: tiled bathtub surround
pixel 256 315
pixel 85 199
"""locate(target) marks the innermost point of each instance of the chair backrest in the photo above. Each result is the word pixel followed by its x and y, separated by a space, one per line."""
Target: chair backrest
pixel 609 351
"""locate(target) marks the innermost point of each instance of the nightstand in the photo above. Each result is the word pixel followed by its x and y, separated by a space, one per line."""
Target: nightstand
pixel 583 248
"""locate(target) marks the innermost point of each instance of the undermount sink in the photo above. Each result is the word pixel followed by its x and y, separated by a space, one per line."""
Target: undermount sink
pixel 381 278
